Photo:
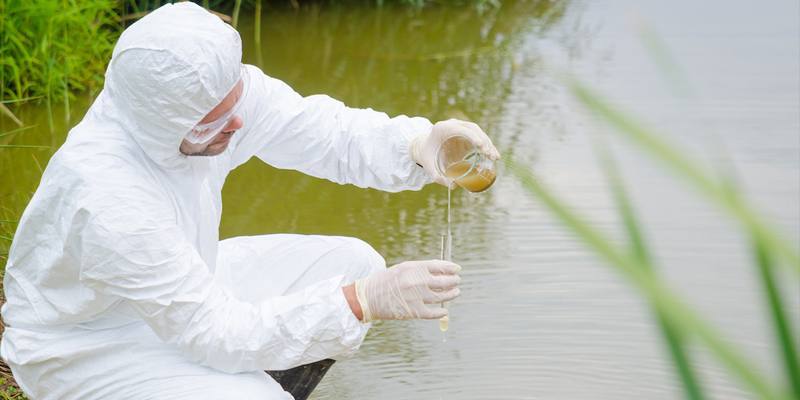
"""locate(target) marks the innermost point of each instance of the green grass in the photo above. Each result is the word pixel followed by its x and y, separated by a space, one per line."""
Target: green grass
pixel 52 49
pixel 8 224
pixel 8 391
pixel 680 324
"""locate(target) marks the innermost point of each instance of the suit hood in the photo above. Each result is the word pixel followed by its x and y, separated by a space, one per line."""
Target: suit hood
pixel 167 71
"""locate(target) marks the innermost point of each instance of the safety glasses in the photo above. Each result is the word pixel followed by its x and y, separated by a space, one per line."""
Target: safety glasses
pixel 203 133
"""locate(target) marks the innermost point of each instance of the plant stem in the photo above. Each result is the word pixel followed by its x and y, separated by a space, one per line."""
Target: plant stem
pixel 23 146
pixel 689 169
pixel 257 33
pixel 675 311
pixel 236 7
pixel 673 338
pixel 782 328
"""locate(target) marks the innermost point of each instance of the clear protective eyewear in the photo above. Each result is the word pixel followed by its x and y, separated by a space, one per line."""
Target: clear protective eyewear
pixel 203 133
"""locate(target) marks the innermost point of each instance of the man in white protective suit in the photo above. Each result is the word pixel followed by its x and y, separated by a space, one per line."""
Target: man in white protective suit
pixel 117 285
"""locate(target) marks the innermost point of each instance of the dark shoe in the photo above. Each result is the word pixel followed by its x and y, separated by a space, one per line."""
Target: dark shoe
pixel 301 381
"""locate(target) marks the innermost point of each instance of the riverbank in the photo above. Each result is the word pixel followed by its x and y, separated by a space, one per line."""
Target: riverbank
pixel 54 49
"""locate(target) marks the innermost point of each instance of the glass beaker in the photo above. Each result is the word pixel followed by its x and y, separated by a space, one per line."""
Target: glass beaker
pixel 461 162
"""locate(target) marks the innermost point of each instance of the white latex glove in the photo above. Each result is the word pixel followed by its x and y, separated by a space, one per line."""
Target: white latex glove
pixel 405 290
pixel 423 147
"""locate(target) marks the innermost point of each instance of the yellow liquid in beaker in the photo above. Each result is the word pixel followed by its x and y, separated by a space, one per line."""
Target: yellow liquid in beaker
pixel 476 181
pixel 444 323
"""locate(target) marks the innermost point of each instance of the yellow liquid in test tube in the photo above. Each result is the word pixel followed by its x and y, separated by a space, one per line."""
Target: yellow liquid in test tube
pixel 444 323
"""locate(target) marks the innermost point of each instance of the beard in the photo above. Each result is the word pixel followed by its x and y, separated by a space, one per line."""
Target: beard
pixel 207 152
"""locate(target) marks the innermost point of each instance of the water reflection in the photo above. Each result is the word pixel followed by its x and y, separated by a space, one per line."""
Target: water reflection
pixel 22 168
pixel 433 63
pixel 439 63
pixel 538 316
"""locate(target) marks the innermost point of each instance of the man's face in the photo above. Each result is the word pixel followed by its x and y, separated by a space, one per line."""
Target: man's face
pixel 221 140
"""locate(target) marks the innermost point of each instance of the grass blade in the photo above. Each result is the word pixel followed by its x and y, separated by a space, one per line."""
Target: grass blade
pixel 690 170
pixel 13 131
pixel 22 100
pixel 257 33
pixel 782 327
pixel 673 338
pixel 235 18
pixel 664 60
pixel 23 146
pixel 682 317
pixel 10 114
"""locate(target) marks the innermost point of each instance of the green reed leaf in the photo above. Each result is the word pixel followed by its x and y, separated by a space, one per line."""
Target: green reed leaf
pixel 672 336
pixel 691 171
pixel 683 318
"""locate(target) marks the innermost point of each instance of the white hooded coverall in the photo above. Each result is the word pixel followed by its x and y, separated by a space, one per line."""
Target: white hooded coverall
pixel 117 286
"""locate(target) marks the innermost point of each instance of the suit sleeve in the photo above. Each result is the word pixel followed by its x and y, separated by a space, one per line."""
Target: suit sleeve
pixel 321 137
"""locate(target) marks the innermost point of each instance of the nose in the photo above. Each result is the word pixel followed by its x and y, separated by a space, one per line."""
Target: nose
pixel 234 124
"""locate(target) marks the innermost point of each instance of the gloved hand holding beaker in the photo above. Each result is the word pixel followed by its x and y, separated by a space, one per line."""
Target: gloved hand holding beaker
pixel 460 145
pixel 409 290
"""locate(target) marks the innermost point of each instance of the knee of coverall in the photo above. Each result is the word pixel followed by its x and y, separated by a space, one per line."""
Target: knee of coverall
pixel 365 260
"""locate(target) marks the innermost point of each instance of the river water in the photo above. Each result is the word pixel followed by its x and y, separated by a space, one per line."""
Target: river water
pixel 539 316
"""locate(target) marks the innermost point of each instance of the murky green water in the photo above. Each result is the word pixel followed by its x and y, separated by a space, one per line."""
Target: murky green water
pixel 538 316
